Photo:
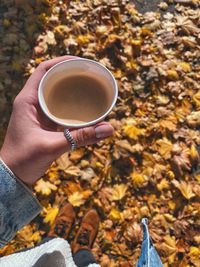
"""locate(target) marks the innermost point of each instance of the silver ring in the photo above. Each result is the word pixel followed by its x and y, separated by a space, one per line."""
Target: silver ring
pixel 70 138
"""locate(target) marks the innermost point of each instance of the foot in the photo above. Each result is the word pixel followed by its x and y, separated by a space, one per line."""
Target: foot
pixel 87 232
pixel 63 222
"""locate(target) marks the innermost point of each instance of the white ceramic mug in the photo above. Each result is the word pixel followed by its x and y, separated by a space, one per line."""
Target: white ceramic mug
pixel 73 66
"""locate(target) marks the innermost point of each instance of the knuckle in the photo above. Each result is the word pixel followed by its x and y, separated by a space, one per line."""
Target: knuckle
pixel 82 136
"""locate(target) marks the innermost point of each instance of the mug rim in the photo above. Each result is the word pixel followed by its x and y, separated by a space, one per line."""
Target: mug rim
pixel 41 97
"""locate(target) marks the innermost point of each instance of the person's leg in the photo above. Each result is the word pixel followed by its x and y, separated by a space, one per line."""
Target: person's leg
pixel 61 226
pixel 84 240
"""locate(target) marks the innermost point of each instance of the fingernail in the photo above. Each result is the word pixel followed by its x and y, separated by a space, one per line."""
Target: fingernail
pixel 103 131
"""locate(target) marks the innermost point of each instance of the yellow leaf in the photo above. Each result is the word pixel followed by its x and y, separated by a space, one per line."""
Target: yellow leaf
pixel 164 184
pixel 172 74
pixel 164 147
pixel 133 132
pixel 51 215
pixel 170 245
pixel 119 191
pixel 196 98
pixel 198 177
pixel 44 187
pixel 36 237
pixel 78 198
pixel 83 39
pixel 6 23
pixel 132 66
pixel 184 66
pixel 170 175
pixel 62 29
pixel 185 189
pixel 138 179
pixel 194 154
pixel 168 125
pixel 136 42
pixel 194 253
pixel 115 214
pixel 171 204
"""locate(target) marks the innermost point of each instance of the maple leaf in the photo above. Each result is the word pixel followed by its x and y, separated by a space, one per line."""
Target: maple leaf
pixel 193 119
pixel 78 198
pixel 194 253
pixel 133 233
pixel 169 245
pixel 185 188
pixel 138 179
pixel 187 25
pixel 51 214
pixel 168 125
pixel 196 98
pixel 181 163
pixel 115 214
pixel 73 171
pixel 164 147
pixel 63 161
pixel 133 132
pixel 44 187
pixel 184 66
pixel 194 154
pixel 119 191
pixel 172 75
pixel 164 184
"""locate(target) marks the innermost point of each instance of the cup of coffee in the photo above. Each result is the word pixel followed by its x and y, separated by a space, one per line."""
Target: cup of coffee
pixel 77 93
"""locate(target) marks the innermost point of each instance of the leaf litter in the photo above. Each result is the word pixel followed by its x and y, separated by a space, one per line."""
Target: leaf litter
pixel 149 168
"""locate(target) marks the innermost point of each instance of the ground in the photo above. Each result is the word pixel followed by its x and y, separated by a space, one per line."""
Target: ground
pixel 150 167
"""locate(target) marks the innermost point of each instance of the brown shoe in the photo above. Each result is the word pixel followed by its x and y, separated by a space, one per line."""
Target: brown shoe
pixel 63 222
pixel 87 232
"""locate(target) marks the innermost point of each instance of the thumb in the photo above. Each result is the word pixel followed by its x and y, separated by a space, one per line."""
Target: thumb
pixel 83 136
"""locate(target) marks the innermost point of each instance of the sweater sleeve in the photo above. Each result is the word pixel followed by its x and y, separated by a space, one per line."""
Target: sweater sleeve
pixel 18 205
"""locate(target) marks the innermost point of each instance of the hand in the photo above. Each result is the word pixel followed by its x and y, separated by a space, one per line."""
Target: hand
pixel 32 141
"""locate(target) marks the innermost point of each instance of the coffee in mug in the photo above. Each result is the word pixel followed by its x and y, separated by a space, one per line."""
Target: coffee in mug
pixel 77 92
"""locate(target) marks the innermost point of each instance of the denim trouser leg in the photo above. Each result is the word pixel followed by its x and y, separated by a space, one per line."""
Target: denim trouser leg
pixel 149 256
pixel 83 258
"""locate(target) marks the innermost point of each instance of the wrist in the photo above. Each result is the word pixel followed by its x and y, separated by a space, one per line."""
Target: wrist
pixel 8 165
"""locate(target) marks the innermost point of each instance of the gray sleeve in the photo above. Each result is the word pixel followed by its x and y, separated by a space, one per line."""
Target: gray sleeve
pixel 18 205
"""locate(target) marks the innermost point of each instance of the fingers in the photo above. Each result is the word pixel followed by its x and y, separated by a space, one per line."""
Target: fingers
pixel 34 80
pixel 84 136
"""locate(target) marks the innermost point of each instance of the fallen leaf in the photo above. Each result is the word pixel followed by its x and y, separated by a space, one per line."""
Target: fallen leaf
pixel 133 132
pixel 119 191
pixel 164 147
pixel 185 189
pixel 44 187
pixel 51 215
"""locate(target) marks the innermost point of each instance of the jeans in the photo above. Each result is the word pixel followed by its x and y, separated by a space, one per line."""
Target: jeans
pixel 148 256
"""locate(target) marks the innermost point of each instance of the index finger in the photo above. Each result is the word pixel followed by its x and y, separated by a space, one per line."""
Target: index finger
pixel 34 80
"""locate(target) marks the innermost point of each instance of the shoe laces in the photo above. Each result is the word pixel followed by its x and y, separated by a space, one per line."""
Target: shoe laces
pixel 60 228
pixel 83 238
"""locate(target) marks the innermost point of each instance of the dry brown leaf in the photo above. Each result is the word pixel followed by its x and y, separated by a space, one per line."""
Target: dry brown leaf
pixel 164 147
pixel 185 188
pixel 119 191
